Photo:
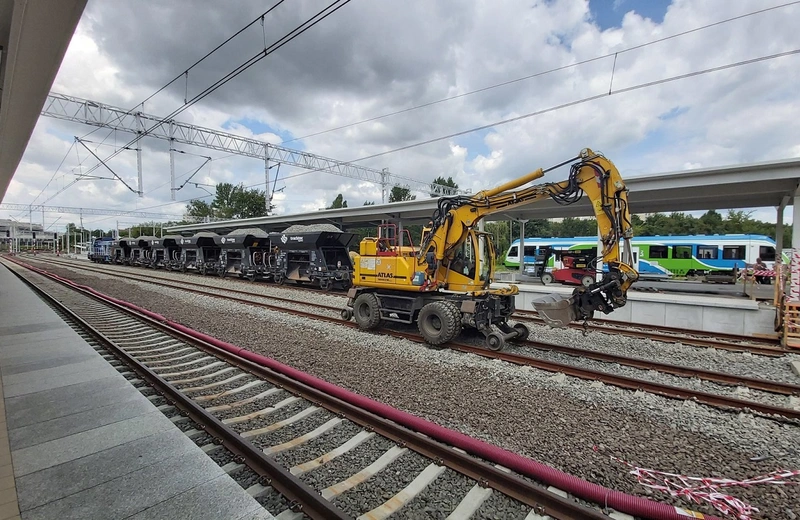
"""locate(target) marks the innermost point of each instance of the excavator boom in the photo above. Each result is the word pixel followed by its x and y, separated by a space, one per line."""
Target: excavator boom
pixel 445 284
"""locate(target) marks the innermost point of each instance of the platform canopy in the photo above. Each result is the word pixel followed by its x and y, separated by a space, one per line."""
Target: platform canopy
pixel 728 187
pixel 34 35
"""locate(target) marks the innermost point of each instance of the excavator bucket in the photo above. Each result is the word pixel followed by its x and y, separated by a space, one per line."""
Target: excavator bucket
pixel 556 311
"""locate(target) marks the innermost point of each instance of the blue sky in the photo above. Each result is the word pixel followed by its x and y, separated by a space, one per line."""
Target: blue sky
pixel 609 13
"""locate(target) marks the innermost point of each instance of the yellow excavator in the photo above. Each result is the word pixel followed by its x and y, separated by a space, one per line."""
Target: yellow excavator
pixel 444 284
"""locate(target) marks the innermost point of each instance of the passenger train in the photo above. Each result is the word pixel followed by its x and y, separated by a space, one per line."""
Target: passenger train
pixel 685 255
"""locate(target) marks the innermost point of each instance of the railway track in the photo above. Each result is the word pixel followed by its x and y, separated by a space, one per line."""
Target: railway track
pixel 283 429
pixel 631 383
pixel 732 342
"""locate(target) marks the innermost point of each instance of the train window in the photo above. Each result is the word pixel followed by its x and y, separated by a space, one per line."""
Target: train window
pixel 530 250
pixel 766 253
pixel 514 251
pixel 733 252
pixel 683 252
pixel 707 252
pixel 659 252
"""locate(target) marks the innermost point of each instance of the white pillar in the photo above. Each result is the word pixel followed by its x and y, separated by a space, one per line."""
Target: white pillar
pixel 599 275
pixel 521 247
pixel 794 291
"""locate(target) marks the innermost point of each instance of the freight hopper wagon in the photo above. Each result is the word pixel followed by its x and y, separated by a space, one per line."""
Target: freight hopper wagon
pixel 245 253
pixel 142 251
pixel 200 253
pixel 165 252
pixel 122 251
pixel 316 258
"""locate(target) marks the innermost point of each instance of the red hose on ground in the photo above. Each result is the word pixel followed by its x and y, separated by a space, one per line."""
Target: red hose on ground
pixel 588 491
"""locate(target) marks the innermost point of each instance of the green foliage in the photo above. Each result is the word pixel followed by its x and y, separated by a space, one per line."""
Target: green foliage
pixel 710 223
pixel 338 202
pixel 230 202
pixel 401 193
pixel 444 182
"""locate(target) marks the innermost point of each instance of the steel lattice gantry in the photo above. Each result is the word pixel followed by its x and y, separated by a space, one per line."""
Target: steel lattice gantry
pixel 92 211
pixel 98 114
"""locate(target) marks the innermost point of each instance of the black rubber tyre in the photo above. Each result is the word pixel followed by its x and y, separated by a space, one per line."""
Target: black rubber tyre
pixel 522 331
pixel 439 322
pixel 367 311
pixel 547 278
pixel 346 314
pixel 587 280
pixel 495 341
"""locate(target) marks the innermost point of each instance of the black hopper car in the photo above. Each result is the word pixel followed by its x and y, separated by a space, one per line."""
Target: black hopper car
pixel 316 258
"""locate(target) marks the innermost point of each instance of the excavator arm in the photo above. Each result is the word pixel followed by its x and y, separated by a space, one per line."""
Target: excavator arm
pixel 592 175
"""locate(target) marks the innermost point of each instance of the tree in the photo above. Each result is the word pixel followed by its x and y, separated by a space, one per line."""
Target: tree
pixel 230 202
pixel 401 193
pixel 338 202
pixel 441 180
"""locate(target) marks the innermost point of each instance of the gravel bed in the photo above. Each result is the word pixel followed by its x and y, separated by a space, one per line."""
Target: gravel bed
pixel 383 486
pixel 260 404
pixel 739 363
pixel 202 439
pixel 272 501
pixel 221 456
pixel 655 376
pixel 558 420
pixel 187 425
pixel 238 396
pixel 265 420
pixel 440 498
pixel 292 431
pixel 147 391
pixel 314 448
pixel 498 506
pixel 348 463
pixel 184 368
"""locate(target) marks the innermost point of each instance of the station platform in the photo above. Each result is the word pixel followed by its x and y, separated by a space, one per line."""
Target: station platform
pixel 77 440
pixel 688 311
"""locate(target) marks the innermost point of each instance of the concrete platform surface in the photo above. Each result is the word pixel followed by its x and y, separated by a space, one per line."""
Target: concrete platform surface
pixel 78 441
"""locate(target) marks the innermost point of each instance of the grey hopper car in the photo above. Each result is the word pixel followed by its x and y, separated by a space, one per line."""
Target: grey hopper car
pixel 316 258
pixel 245 254
pixel 200 252
pixel 166 252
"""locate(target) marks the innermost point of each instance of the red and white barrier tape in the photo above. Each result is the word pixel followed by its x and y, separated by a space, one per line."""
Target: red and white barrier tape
pixel 707 489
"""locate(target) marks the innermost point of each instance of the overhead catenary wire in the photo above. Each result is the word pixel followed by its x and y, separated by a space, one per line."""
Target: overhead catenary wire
pixel 563 106
pixel 541 73
pixel 260 18
pixel 291 35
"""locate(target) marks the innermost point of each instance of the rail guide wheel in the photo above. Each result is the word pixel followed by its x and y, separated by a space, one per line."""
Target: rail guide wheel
pixel 495 341
pixel 522 331
pixel 547 278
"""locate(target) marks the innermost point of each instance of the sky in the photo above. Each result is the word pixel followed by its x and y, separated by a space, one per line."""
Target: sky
pixel 373 58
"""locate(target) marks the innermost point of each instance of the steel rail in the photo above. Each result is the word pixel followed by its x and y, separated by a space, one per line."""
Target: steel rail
pixel 724 341
pixel 551 366
pixel 292 487
pixel 774 387
pixel 735 342
pixel 537 497
pixel 631 383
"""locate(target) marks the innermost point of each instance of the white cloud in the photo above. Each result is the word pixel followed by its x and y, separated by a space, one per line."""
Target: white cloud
pixel 373 58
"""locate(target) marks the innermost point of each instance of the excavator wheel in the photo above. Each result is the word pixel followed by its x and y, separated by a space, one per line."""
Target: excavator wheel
pixel 495 341
pixel 439 322
pixel 367 311
pixel 587 280
pixel 522 331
